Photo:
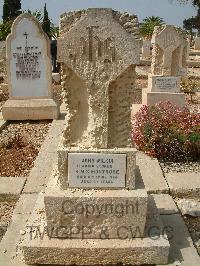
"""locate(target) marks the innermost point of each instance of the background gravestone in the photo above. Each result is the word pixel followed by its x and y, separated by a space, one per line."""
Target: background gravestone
pixel 29 72
pixel 169 55
pixel 197 43
pixel 146 48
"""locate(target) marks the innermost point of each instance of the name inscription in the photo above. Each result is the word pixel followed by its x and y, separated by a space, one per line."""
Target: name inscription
pixel 96 170
pixel 166 84
pixel 27 61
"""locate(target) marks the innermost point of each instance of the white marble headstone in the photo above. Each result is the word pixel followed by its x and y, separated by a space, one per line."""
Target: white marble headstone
pixel 28 59
pixel 146 48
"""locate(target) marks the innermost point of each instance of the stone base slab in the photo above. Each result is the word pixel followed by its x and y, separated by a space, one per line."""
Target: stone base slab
pixel 151 98
pixel 40 249
pixel 30 109
pixel 96 252
pixel 88 213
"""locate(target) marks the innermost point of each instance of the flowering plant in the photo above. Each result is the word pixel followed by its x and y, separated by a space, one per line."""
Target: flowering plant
pixel 167 131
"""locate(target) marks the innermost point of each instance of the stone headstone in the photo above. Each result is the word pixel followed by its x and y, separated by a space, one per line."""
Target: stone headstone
pixel 93 55
pixel 197 43
pixel 169 60
pixel 146 48
pixel 92 198
pixel 29 72
pixel 169 51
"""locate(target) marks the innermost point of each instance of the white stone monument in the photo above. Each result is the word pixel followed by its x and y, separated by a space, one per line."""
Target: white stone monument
pixel 170 50
pixel 93 210
pixel 197 43
pixel 146 48
pixel 29 72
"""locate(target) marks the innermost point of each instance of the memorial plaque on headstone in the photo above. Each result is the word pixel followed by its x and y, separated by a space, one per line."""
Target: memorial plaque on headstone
pixel 96 170
pixel 166 84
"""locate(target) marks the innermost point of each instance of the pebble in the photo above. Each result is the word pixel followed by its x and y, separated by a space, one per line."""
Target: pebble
pixel 22 232
pixel 189 207
pixel 180 167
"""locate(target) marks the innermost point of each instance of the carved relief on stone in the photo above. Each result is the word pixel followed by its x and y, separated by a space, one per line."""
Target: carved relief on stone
pixel 169 52
pixel 97 49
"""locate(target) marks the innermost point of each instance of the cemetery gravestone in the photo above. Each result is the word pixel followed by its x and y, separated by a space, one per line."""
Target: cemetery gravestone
pixel 29 72
pixel 94 212
pixel 197 43
pixel 146 48
pixel 170 51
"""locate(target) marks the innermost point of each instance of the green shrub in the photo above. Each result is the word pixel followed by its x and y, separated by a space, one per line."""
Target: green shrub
pixel 190 87
pixel 5 29
pixel 167 132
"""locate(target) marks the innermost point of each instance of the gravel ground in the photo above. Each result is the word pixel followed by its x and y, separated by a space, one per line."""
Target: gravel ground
pixel 180 167
pixel 57 93
pixel 136 95
pixel 3 98
pixel 6 210
pixel 193 224
pixel 19 146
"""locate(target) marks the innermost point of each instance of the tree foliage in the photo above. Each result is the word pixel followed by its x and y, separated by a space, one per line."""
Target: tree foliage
pixel 11 9
pixel 148 24
pixel 46 24
pixel 37 14
pixel 5 29
pixel 193 22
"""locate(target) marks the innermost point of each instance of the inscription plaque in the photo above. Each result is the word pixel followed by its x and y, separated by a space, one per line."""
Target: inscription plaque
pixel 94 170
pixel 166 84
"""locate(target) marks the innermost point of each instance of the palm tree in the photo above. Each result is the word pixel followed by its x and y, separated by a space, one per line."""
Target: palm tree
pixel 54 31
pixel 37 14
pixel 148 24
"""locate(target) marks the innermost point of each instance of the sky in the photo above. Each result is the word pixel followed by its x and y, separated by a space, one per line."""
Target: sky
pixel 169 10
